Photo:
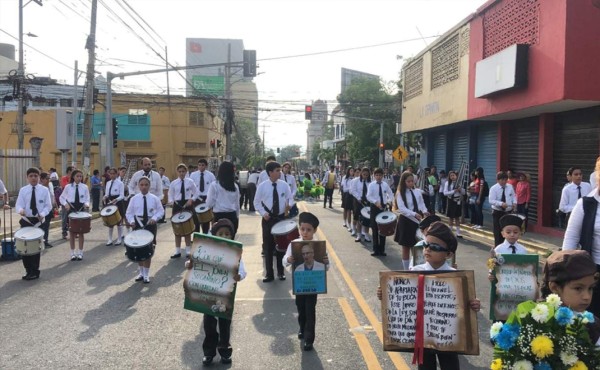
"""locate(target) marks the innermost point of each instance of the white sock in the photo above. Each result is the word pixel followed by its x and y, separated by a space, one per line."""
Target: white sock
pixel 81 252
pixel 110 233
pixel 72 252
pixel 120 229
pixel 458 230
pixel 188 249
pixel 146 271
pixel 140 271
pixel 177 250
pixel 406 264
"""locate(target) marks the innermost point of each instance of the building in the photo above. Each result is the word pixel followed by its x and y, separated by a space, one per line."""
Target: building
pixel 512 86
pixel 315 131
pixel 7 59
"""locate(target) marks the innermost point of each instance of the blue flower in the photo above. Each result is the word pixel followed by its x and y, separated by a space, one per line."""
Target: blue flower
pixel 589 316
pixel 508 336
pixel 564 316
pixel 542 366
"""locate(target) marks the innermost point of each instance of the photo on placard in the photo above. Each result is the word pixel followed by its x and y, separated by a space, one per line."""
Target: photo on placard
pixel 309 274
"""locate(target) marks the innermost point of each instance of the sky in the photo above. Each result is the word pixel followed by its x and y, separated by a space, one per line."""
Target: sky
pixel 301 45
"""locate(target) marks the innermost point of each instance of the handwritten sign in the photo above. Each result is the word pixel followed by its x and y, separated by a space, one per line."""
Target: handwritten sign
pixel 209 286
pixel 516 282
pixel 310 273
pixel 448 322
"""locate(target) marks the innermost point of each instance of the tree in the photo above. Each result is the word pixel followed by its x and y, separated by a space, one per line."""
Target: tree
pixel 288 152
pixel 246 144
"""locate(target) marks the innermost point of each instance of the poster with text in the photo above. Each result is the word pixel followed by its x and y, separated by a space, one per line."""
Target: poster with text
pixel 309 274
pixel 210 286
pixel 443 314
pixel 516 282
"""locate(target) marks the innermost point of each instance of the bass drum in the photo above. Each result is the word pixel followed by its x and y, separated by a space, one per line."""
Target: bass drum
pixel 243 179
pixel 386 223
pixel 284 232
pixel 80 222
pixel 138 245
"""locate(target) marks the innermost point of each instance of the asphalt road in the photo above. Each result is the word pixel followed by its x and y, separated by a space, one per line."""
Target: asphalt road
pixel 91 314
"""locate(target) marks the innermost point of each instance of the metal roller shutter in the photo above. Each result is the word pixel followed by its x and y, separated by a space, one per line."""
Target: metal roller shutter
pixel 460 148
pixel 523 155
pixel 439 151
pixel 487 143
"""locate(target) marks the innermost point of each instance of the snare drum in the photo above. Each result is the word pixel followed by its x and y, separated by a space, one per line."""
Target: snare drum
pixel 284 232
pixel 138 245
pixel 110 215
pixel 28 241
pixel 386 223
pixel 80 222
pixel 183 223
pixel 365 216
pixel 204 213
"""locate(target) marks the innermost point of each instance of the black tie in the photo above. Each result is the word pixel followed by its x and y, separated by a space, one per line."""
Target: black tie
pixel 275 208
pixel 514 249
pixel 285 177
pixel 110 188
pixel 414 199
pixel 364 192
pixel 578 192
pixel 145 214
pixel 182 191
pixel 503 199
pixel 202 182
pixel 76 201
pixel 147 174
pixel 33 204
pixel 380 195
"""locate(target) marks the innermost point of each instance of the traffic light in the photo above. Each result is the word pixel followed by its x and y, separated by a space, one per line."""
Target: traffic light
pixel 249 63
pixel 381 146
pixel 115 131
pixel 218 143
pixel 308 112
pixel 212 143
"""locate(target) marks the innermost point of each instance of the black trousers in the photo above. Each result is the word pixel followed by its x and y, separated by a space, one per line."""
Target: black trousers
pixel 32 263
pixel 328 195
pixel 269 248
pixel 216 340
pixel 250 193
pixel 231 216
pixel 498 238
pixel 447 360
pixel 378 240
pixel 95 200
pixel 243 198
pixel 46 225
pixel 205 226
pixel 307 317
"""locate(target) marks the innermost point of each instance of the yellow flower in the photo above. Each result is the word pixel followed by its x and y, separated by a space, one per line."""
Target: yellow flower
pixel 578 366
pixel 491 263
pixel 542 346
pixel 496 364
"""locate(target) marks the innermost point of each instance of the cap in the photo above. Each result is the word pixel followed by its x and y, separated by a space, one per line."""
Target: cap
pixel 308 218
pixel 568 265
pixel 427 221
pixel 443 232
pixel 224 222
pixel 510 220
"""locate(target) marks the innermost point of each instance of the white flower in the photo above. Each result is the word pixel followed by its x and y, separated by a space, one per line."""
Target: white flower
pixel 522 365
pixel 554 300
pixel 540 313
pixel 495 329
pixel 568 359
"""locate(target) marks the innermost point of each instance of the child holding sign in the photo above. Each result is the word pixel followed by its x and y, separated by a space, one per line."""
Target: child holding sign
pixel 306 303
pixel 511 231
pixel 219 340
pixel 440 245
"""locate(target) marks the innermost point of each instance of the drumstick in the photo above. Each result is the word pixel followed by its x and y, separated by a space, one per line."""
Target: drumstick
pixel 137 218
pixel 29 222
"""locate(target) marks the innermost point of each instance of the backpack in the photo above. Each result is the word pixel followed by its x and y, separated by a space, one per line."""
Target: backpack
pixel 485 191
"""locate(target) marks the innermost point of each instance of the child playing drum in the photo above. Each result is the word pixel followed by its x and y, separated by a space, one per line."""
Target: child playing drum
pixel 115 195
pixel 75 198
pixel 182 193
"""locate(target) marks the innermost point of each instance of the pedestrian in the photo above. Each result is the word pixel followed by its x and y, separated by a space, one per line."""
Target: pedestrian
pixel 454 193
pixel 166 183
pixel 224 196
pixel 96 189
pixel 513 179
pixel 473 195
pixel 523 192
pixel 347 203
pixel 434 181
pixel 202 178
pixel 482 191
pixel 54 179
pixel 125 180
pixel 573 192
pixel 380 197
pixel 242 181
pixel 329 185
pixel 503 201
pixel 114 194
pixel 306 304
pixel 359 191
pixel 442 203
pixel 64 181
pixel 286 175
pixel 395 180
pixel 4 196
pixel 45 181
pixel 76 198
pixel 252 180
pixel 182 193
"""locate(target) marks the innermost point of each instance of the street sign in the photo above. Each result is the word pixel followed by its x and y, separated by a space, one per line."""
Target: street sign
pixel 400 153
pixel 388 156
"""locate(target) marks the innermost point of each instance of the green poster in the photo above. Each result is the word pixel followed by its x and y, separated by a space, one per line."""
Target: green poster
pixel 209 85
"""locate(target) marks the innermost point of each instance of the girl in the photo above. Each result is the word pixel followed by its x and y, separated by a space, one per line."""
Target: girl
pixel 480 185
pixel 454 211
pixel 115 194
pixel 411 206
pixel 214 340
pixel 224 196
pixel 523 191
pixel 360 201
pixel 75 198
pixel 347 198
pixel 182 192
pixel 473 194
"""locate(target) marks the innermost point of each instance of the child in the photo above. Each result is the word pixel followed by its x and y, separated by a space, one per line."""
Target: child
pixel 455 194
pixel 307 303
pixel 379 195
pixel 75 198
pixel 115 195
pixel 503 200
pixel 347 204
pixel 511 231
pixel 523 192
pixel 182 193
pixel 214 340
pixel 359 191
pixel 441 245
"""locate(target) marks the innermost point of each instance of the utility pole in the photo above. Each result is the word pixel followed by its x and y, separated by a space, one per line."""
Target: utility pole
pixel 74 116
pixel 228 109
pixel 381 141
pixel 90 45
pixel 21 80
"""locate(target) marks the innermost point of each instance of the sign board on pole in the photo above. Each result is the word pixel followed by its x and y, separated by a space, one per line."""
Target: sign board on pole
pixel 388 156
pixel 400 153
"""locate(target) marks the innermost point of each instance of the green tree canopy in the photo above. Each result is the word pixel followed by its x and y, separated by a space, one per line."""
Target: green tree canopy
pixel 247 145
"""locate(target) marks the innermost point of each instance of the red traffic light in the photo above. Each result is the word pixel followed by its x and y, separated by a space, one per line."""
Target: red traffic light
pixel 381 146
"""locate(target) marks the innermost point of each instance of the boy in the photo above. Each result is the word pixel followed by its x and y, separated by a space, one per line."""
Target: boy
pixel 379 195
pixel 182 192
pixel 306 303
pixel 503 200
pixel 511 231
pixel 33 204
pixel 572 192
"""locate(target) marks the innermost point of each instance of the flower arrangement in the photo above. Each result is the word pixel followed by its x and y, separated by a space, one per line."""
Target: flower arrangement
pixel 544 336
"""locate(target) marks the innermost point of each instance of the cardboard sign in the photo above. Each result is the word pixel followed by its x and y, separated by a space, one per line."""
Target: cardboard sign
pixel 448 323
pixel 516 282
pixel 209 286
pixel 309 274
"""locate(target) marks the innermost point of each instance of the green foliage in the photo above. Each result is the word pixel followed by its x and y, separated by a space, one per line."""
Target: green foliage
pixel 247 145
pixel 288 152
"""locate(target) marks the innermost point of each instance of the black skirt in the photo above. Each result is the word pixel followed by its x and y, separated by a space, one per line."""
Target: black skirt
pixel 454 209
pixel 406 232
pixel 347 201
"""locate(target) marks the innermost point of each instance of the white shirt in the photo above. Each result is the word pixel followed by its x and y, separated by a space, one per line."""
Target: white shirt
pixel 357 188
pixel 262 177
pixel 373 193
pixel 291 181
pixel 191 191
pixel 253 178
pixel 264 194
pixel 136 208
pixel 155 183
pixel 221 200
pixel 42 198
pixel 53 176
pixel 570 194
pixel 593 180
pixel 448 189
pixel 2 188
pixel 573 233
pixel 427 267
pixel 407 209
pixel 68 195
pixel 495 197
pixel 505 248
pixel 346 181
pixel 208 179
pixel 317 266
pixel 115 188
pixel 165 182
pixel 51 190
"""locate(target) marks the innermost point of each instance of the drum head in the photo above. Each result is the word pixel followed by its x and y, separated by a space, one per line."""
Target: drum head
pixel 29 233
pixel 385 218
pixel 283 227
pixel 138 238
pixel 108 210
pixel 80 215
pixel 181 217
pixel 366 212
pixel 201 208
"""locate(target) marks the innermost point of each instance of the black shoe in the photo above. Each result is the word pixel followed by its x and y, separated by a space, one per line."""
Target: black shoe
pixel 268 279
pixel 139 278
pixel 207 360
pixel 146 280
pixel 383 254
pixel 79 257
pixel 48 245
pixel 73 258
pixel 300 335
pixel 375 254
pixel 25 277
pixel 176 255
pixel 31 276
pixel 308 346
pixel 281 277
pixel 225 360
pixel 330 206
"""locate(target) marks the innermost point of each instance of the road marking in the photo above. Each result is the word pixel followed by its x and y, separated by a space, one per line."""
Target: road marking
pixel 360 300
pixel 360 337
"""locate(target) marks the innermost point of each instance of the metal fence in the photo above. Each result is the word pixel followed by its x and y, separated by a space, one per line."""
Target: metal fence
pixel 13 168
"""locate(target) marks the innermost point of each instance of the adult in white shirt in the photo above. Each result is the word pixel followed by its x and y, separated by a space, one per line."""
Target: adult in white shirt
pixel 380 196
pixel 153 176
pixel 328 183
pixel 182 193
pixel 203 178
pixel 573 191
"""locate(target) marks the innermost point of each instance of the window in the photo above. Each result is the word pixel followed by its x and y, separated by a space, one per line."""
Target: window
pixel 196 119
pixel 135 119
pixel 194 145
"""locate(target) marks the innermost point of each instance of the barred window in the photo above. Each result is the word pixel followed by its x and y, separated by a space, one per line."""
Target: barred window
pixel 510 22
pixel 444 62
pixel 413 80
pixel 196 118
